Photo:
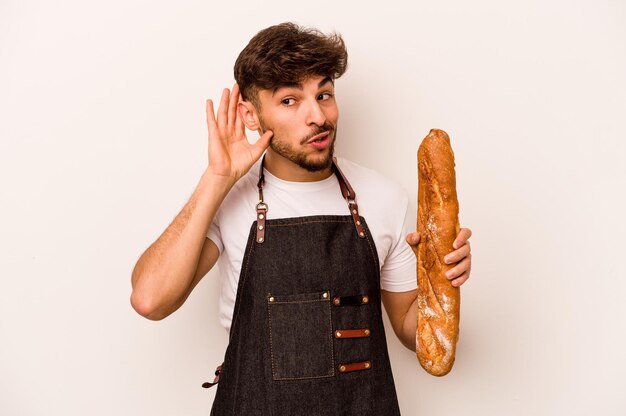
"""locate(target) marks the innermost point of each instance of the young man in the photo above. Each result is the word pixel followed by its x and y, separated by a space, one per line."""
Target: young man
pixel 308 247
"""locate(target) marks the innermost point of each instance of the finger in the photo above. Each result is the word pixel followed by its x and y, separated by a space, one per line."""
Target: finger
pixel 462 237
pixel 460 268
pixel 222 112
pixel 210 116
pixel 457 255
pixel 261 144
pixel 240 128
pixel 232 105
pixel 461 279
pixel 413 238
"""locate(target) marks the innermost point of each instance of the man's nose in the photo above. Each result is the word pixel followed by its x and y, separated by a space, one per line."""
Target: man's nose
pixel 315 115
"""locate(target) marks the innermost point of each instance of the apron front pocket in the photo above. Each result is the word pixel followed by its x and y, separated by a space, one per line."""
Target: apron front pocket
pixel 300 331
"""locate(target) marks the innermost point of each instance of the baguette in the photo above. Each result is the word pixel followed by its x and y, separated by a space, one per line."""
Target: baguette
pixel 438 224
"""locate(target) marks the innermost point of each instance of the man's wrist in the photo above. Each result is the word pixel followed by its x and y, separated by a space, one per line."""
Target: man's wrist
pixel 213 187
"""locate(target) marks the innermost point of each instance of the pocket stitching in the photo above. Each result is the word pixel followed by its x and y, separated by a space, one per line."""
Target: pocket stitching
pixel 330 338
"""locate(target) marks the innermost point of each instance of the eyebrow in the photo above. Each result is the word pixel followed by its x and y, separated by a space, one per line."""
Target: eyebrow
pixel 298 85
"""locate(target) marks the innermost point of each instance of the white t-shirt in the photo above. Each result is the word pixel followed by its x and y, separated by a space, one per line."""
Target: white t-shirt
pixel 382 202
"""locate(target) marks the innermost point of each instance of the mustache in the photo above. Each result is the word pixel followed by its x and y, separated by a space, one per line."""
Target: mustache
pixel 330 128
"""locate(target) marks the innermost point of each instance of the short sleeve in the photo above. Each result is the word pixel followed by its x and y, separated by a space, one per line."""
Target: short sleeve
pixel 398 273
pixel 214 234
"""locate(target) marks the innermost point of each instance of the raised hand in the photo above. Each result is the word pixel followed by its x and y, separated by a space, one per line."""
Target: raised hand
pixel 230 153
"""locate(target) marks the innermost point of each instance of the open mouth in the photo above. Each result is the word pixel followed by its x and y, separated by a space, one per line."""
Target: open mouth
pixel 319 138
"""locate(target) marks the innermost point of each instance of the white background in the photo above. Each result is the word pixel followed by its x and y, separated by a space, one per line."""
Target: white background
pixel 103 139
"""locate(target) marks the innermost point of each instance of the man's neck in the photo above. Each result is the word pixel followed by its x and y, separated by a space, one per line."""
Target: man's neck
pixel 287 170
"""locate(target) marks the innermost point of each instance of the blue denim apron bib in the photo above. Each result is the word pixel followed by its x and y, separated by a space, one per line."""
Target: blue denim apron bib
pixel 307 335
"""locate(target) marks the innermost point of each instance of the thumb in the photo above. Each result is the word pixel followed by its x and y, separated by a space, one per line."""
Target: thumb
pixel 413 238
pixel 262 143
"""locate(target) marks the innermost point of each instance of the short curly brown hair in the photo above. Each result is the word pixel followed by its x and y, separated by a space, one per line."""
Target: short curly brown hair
pixel 286 54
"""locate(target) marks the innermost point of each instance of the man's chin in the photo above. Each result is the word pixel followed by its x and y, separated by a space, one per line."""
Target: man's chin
pixel 316 162
pixel 317 167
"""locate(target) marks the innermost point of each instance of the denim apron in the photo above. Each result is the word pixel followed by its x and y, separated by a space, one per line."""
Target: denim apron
pixel 307 335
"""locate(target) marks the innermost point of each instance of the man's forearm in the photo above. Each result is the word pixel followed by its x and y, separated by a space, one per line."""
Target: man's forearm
pixel 401 308
pixel 164 273
pixel 409 327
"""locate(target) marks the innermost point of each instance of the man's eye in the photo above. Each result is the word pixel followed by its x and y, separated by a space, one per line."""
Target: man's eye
pixel 324 96
pixel 288 101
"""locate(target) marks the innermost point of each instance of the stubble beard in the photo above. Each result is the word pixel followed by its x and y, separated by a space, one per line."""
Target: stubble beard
pixel 304 160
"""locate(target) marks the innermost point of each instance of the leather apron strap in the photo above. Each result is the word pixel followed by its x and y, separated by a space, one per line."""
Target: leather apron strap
pixel 346 190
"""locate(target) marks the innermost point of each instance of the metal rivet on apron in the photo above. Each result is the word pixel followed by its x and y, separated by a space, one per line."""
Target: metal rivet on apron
pixel 358 222
pixel 366 299
pixel 337 301
pixel 271 299
pixel 338 334
pixel 367 365
pixel 361 234
pixel 354 211
pixel 325 295
pixel 366 332
pixel 261 216
pixel 260 240
pixel 342 368
pixel 260 227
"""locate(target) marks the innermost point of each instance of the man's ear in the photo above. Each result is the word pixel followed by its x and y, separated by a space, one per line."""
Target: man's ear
pixel 248 115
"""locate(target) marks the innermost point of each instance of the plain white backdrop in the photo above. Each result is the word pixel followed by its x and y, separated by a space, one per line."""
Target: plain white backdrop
pixel 103 139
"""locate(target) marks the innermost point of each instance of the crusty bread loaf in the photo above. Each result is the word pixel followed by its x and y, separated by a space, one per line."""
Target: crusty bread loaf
pixel 438 225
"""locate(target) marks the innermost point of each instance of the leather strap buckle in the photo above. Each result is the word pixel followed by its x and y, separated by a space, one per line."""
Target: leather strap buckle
pixel 352 333
pixel 261 214
pixel 349 367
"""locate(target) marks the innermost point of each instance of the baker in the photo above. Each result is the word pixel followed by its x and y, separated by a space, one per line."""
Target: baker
pixel 309 245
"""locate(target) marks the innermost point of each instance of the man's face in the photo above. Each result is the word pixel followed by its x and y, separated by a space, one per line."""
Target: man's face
pixel 303 118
